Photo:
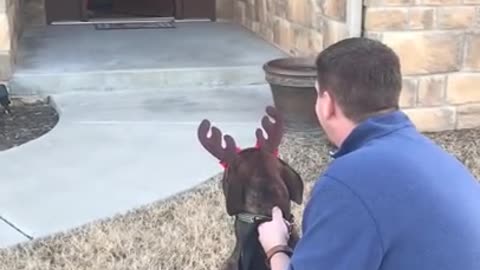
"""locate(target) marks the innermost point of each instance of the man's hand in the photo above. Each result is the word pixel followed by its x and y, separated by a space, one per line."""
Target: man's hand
pixel 275 232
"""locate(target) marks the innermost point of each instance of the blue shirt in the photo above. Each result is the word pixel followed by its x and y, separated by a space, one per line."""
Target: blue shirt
pixel 391 199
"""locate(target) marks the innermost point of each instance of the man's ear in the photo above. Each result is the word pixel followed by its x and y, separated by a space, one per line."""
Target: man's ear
pixel 328 105
pixel 233 191
pixel 293 181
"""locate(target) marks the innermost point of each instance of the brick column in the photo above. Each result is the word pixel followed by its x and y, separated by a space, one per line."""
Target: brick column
pixel 9 29
pixel 438 42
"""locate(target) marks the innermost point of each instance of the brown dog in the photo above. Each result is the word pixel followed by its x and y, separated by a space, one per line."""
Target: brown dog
pixel 254 181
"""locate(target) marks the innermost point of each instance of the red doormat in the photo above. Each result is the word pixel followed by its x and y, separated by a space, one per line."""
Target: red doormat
pixel 134 25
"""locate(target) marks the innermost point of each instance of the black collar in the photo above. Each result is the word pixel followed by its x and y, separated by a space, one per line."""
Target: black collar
pixel 252 218
pixel 246 217
pixel 252 250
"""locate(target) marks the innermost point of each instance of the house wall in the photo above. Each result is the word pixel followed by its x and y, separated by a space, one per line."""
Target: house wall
pixel 224 9
pixel 10 29
pixel 438 42
pixel 299 27
pixel 34 14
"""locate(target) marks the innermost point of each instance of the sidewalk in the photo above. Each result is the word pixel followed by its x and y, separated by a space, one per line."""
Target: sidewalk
pixel 112 152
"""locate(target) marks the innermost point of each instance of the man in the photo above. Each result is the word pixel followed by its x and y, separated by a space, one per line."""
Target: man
pixel 391 198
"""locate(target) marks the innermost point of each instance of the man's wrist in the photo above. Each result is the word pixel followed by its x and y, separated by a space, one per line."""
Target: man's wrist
pixel 278 250
pixel 278 255
pixel 279 261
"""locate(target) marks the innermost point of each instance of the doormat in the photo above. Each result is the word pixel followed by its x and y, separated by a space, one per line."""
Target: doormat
pixel 134 25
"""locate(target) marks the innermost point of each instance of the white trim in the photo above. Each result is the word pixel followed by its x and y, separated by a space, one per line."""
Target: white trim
pixel 354 16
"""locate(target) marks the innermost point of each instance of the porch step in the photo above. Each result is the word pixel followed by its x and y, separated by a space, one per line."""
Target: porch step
pixel 62 59
pixel 135 79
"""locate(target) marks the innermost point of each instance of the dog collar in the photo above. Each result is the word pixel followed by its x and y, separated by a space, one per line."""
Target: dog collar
pixel 256 218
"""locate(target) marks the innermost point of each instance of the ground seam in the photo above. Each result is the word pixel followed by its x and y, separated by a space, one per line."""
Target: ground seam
pixel 16 228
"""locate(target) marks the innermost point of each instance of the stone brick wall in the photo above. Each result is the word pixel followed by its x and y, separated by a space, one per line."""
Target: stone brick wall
pixel 438 42
pixel 10 29
pixel 298 27
pixel 34 14
pixel 224 9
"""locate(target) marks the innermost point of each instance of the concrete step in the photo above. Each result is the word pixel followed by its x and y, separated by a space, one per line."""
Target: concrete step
pixel 62 59
pixel 132 80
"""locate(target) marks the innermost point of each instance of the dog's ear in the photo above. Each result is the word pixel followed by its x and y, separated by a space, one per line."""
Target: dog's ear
pixel 233 191
pixel 293 181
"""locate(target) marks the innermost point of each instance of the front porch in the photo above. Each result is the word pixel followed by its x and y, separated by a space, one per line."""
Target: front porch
pixel 63 58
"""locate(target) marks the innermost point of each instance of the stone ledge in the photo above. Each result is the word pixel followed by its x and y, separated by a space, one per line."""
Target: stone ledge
pixel 468 116
pixel 433 119
pixel 441 118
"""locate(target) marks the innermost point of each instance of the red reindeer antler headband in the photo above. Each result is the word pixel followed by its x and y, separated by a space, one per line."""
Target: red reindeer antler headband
pixel 228 154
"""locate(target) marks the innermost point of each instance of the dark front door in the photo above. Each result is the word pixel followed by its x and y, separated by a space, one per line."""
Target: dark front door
pixel 196 9
pixel 64 10
pixel 154 8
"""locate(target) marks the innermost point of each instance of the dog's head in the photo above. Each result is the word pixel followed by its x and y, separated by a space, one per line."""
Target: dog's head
pixel 255 179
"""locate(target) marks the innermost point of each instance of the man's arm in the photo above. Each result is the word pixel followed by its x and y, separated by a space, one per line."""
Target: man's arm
pixel 339 233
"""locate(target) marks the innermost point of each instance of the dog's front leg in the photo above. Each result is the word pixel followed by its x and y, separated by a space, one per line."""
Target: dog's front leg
pixel 232 262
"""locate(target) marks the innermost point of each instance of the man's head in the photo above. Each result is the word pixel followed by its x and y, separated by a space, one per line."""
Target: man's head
pixel 357 78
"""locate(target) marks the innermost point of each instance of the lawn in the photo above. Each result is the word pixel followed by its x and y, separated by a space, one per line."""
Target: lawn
pixel 189 230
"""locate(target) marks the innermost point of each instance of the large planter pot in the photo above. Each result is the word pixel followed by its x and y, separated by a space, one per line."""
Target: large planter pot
pixel 292 82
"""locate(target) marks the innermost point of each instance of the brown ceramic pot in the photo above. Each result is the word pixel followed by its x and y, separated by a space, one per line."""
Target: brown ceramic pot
pixel 292 82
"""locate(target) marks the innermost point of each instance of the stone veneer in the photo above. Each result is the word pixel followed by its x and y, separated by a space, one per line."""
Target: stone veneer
pixel 10 29
pixel 438 42
pixel 299 27
pixel 34 14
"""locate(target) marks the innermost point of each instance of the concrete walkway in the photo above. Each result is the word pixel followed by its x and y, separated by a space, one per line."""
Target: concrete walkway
pixel 123 148
pixel 111 152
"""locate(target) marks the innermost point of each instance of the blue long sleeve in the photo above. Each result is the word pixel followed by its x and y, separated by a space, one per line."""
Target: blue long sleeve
pixel 338 231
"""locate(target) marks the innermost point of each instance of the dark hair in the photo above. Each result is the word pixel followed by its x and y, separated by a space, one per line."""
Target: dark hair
pixel 363 75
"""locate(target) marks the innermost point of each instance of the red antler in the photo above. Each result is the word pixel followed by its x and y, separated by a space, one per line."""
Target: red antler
pixel 274 131
pixel 214 143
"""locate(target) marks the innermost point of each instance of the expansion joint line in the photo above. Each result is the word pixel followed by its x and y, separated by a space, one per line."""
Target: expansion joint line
pixel 16 228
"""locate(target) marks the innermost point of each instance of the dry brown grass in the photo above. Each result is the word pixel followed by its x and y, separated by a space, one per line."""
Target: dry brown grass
pixel 187 231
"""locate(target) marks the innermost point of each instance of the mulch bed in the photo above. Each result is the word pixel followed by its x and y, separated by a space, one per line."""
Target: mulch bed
pixel 28 120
